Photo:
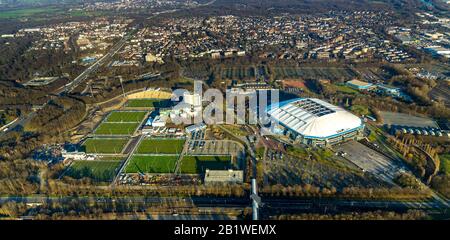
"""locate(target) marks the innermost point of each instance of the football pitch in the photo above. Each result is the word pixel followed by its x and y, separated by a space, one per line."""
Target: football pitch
pixel 101 171
pixel 160 146
pixel 109 128
pixel 104 145
pixel 125 117
pixel 149 103
pixel 198 164
pixel 151 164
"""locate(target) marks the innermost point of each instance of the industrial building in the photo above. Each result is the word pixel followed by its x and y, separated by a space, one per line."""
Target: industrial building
pixel 359 85
pixel 314 122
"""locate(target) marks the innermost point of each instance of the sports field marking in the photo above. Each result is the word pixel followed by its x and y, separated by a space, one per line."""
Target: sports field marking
pixel 108 128
pixel 198 164
pixel 161 146
pixel 151 164
pixel 104 145
pixel 101 171
pixel 125 116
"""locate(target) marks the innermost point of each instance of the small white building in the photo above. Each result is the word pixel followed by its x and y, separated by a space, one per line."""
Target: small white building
pixel 195 127
pixel 159 121
pixel 77 155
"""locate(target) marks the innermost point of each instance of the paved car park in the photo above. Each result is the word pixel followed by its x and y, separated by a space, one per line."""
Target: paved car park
pixel 369 160
pixel 214 147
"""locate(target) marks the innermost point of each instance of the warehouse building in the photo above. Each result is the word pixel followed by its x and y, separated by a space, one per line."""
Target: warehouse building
pixel 314 122
pixel 359 85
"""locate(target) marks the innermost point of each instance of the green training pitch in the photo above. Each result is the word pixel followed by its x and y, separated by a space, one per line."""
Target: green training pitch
pixel 151 164
pixel 161 146
pixel 126 117
pixel 101 171
pixel 108 128
pixel 149 103
pixel 198 164
pixel 104 145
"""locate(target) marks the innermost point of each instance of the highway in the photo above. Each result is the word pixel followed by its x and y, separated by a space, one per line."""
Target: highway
pixel 93 68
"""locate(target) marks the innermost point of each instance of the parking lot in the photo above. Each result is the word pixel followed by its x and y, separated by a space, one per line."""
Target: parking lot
pixel 197 145
pixel 402 119
pixel 369 160
pixel 214 147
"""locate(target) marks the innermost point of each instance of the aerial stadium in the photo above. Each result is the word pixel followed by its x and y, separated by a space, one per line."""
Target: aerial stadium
pixel 314 122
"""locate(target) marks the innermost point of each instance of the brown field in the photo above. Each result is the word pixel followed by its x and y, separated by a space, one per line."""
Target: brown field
pixel 294 83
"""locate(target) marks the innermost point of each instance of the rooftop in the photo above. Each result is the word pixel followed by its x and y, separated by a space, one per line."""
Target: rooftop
pixel 314 118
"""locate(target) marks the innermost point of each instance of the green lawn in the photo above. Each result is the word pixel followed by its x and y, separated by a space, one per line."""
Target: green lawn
pixel 445 163
pixel 151 164
pixel 149 103
pixel 104 145
pixel 28 12
pixel 126 117
pixel 110 158
pixel 345 89
pixel 108 128
pixel 164 146
pixel 100 171
pixel 198 164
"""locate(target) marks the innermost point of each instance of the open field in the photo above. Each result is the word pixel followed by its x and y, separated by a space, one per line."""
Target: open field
pixel 28 12
pixel 101 171
pixel 160 146
pixel 326 170
pixel 108 128
pixel 149 103
pixel 198 164
pixel 345 89
pixel 151 164
pixel 104 145
pixel 126 116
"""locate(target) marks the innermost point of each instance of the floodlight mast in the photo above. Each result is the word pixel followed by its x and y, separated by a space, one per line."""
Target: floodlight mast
pixel 121 84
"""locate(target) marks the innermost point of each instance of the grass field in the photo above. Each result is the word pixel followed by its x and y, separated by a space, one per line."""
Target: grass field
pixel 151 164
pixel 104 145
pixel 28 12
pixel 445 163
pixel 149 103
pixel 164 146
pixel 198 164
pixel 101 171
pixel 126 117
pixel 108 128
pixel 110 158
pixel 345 89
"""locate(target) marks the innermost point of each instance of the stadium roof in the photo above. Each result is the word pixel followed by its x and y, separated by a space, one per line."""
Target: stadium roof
pixel 314 118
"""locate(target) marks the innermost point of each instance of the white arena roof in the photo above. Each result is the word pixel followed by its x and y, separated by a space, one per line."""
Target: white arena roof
pixel 314 118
